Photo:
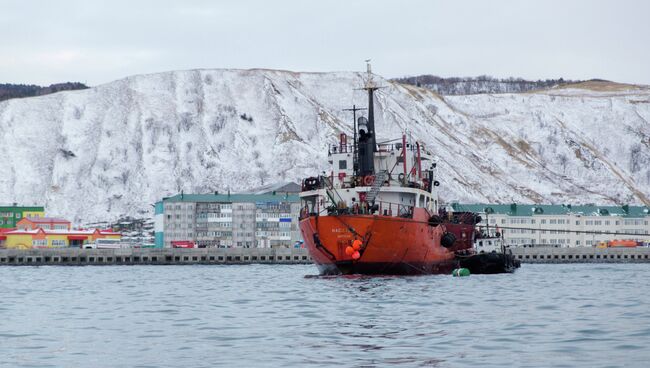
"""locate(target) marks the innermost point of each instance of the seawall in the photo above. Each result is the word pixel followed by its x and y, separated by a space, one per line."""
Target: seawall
pixel 581 255
pixel 168 256
pixel 148 256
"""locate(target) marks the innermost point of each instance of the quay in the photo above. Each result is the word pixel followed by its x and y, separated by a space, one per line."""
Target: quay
pixel 180 256
pixel 151 256
pixel 548 254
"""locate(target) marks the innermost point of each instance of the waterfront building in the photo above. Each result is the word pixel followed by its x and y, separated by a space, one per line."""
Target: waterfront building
pixel 563 225
pixel 53 238
pixel 46 223
pixel 228 220
pixel 10 215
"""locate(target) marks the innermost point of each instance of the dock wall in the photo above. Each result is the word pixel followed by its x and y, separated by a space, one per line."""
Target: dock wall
pixel 581 255
pixel 148 256
pixel 169 256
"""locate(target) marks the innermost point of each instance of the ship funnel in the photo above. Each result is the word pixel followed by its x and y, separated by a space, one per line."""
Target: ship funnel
pixel 362 123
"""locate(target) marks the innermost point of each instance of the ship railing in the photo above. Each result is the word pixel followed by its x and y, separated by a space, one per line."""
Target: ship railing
pixel 380 208
pixel 391 180
pixel 340 148
pixel 380 147
pixel 392 209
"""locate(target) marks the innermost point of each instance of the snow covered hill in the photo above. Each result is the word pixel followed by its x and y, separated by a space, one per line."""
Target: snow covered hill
pixel 115 149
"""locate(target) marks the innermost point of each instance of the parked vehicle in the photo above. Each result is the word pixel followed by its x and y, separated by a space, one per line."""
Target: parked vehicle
pixel 623 243
pixel 183 244
pixel 106 244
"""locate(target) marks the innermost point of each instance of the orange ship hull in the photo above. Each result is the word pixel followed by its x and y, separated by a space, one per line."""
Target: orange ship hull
pixel 391 245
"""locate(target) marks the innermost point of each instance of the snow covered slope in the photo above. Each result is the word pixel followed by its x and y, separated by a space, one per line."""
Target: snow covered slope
pixel 114 149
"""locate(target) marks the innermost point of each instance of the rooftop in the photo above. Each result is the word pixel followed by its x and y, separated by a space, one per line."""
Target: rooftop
pixel 62 232
pixel 46 220
pixel 9 207
pixel 553 209
pixel 233 198
pixel 281 187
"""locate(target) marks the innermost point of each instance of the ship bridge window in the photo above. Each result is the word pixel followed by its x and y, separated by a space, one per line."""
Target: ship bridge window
pixel 343 164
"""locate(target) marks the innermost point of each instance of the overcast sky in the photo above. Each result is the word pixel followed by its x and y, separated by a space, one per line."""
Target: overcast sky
pixel 43 42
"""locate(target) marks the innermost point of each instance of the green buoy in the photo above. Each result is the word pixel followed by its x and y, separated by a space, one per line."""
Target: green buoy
pixel 459 272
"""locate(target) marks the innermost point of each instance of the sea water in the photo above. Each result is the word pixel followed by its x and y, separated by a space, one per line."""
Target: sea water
pixel 595 315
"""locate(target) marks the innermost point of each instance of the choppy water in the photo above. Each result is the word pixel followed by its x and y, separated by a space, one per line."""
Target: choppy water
pixel 275 316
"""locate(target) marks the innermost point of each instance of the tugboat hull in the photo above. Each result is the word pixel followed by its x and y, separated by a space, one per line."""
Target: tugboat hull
pixel 490 263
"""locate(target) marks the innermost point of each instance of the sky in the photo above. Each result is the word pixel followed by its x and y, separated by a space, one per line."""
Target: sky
pixel 95 42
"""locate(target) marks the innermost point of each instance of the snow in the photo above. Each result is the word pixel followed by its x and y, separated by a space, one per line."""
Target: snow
pixel 113 150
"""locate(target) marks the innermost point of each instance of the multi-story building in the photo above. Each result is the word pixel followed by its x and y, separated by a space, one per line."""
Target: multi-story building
pixel 46 223
pixel 228 220
pixel 10 215
pixel 563 225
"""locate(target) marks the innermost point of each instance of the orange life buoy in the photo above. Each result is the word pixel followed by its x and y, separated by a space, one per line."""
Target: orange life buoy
pixel 368 180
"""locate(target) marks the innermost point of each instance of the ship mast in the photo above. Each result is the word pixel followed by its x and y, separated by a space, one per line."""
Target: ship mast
pixel 367 140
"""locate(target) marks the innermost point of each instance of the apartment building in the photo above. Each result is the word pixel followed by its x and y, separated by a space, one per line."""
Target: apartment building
pixel 563 225
pixel 228 220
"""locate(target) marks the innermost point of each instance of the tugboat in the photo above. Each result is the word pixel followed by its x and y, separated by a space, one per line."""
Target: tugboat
pixel 378 212
pixel 490 255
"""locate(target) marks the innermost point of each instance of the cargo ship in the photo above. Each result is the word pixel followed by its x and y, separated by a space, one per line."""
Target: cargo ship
pixel 377 210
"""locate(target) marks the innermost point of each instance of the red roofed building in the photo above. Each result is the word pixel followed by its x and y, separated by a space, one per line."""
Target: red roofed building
pixel 40 238
pixel 45 223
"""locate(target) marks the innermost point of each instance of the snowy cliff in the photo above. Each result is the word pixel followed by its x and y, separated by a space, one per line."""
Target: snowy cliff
pixel 115 149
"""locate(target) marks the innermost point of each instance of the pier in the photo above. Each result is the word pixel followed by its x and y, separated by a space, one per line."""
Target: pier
pixel 152 256
pixel 541 254
pixel 179 256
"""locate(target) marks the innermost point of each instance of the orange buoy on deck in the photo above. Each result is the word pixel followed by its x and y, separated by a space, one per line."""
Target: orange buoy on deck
pixel 356 244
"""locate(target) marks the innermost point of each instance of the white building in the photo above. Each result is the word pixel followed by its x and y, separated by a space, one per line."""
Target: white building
pixel 563 225
pixel 228 220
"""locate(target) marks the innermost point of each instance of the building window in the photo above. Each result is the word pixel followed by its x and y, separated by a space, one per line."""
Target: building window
pixel 18 215
pixel 343 164
pixel 577 222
